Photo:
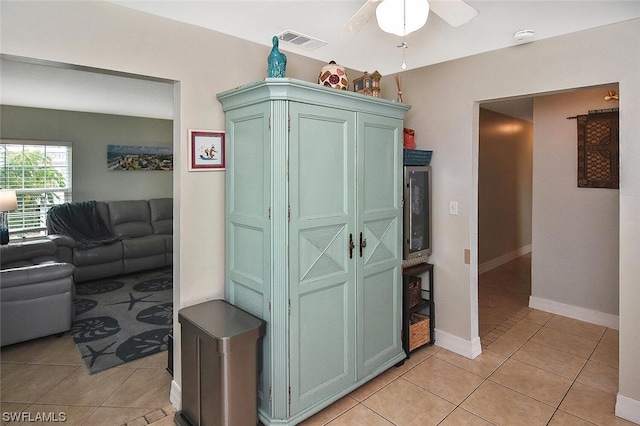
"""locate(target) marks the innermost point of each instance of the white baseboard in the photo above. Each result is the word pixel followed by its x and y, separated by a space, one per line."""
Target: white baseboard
pixel 466 348
pixel 575 312
pixel 175 395
pixel 501 260
pixel 628 409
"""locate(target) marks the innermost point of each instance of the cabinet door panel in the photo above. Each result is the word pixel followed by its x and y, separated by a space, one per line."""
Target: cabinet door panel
pixel 381 235
pixel 322 252
pixel 323 342
pixel 248 237
pixel 379 215
pixel 379 336
pixel 320 157
pixel 378 161
pixel 249 160
pixel 322 290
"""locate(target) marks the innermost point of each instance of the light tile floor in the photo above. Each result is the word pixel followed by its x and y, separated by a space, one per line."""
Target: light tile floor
pixel 46 376
pixel 535 369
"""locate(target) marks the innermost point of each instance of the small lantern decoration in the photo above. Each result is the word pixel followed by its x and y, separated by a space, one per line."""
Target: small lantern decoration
pixel 368 84
pixel 333 75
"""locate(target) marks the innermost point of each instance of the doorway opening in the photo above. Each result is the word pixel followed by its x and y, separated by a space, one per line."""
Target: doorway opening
pixel 543 242
pixel 505 183
pixel 93 108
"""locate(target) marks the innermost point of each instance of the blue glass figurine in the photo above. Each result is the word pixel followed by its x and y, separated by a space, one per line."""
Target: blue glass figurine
pixel 277 61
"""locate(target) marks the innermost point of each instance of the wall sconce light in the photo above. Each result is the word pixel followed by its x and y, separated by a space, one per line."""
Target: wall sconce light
pixel 8 202
pixel 612 96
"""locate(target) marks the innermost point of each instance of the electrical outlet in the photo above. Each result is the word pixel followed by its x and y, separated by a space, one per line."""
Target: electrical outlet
pixel 453 207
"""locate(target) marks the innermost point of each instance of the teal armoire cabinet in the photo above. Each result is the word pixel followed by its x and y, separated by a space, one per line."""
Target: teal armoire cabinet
pixel 313 237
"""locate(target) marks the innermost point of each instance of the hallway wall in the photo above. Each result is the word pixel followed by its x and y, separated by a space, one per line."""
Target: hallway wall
pixel 575 230
pixel 505 180
pixel 448 125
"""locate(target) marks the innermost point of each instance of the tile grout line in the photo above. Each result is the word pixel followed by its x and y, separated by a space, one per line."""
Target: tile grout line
pixel 487 379
pixel 147 419
pixel 484 342
pixel 513 320
pixel 154 414
pixel 520 315
pixel 573 381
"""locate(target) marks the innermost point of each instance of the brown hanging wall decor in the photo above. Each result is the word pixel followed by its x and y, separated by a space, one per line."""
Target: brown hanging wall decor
pixel 598 153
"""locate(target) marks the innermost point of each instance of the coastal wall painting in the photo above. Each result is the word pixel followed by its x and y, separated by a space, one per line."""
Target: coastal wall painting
pixel 206 150
pixel 130 157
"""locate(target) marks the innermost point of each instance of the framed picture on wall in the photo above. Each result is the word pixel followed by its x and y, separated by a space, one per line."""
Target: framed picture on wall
pixel 134 157
pixel 206 150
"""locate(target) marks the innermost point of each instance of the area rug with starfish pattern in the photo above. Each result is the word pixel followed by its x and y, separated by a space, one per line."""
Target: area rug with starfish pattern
pixel 123 318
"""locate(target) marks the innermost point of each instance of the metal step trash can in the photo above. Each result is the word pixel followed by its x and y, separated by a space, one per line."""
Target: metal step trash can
pixel 219 344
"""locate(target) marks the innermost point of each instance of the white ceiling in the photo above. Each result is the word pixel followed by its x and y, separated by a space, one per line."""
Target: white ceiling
pixel 58 87
pixel 521 108
pixel 372 49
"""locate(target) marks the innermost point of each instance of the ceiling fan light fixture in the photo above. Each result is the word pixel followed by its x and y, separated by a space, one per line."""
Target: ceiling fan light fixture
pixel 401 17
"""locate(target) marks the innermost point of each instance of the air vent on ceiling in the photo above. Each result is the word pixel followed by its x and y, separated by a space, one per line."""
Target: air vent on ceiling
pixel 300 40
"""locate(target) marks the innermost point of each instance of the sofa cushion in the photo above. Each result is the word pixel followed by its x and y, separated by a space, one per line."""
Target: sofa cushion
pixel 98 271
pixel 143 246
pixel 130 218
pixel 135 264
pixel 27 253
pixel 98 255
pixel 161 215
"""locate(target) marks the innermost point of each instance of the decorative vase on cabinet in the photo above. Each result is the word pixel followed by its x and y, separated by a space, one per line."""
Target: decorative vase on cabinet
pixel 314 237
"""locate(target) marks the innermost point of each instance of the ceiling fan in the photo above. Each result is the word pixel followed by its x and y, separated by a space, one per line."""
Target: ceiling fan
pixel 454 12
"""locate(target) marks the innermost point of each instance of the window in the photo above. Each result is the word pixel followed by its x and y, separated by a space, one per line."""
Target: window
pixel 40 173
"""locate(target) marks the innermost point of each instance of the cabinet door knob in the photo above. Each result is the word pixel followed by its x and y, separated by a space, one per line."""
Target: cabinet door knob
pixel 363 244
pixel 351 246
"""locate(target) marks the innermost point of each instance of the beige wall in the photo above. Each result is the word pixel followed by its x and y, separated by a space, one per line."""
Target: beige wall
pixel 504 185
pixel 576 230
pixel 90 134
pixel 201 62
pixel 445 112
pixel 445 115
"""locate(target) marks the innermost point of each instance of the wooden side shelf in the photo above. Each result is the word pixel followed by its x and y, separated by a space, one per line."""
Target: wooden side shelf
pixel 418 316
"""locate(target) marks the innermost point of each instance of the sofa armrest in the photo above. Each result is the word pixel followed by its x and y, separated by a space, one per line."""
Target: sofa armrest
pixel 161 215
pixel 62 240
pixel 35 274
pixel 27 253
pixel 64 247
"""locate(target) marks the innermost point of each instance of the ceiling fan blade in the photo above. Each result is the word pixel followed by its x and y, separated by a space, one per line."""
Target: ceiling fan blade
pixel 360 18
pixel 453 12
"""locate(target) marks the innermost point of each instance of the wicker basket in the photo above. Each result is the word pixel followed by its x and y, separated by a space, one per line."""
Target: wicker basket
pixel 415 291
pixel 419 331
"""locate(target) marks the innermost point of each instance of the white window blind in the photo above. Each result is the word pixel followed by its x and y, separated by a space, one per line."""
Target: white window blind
pixel 40 173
